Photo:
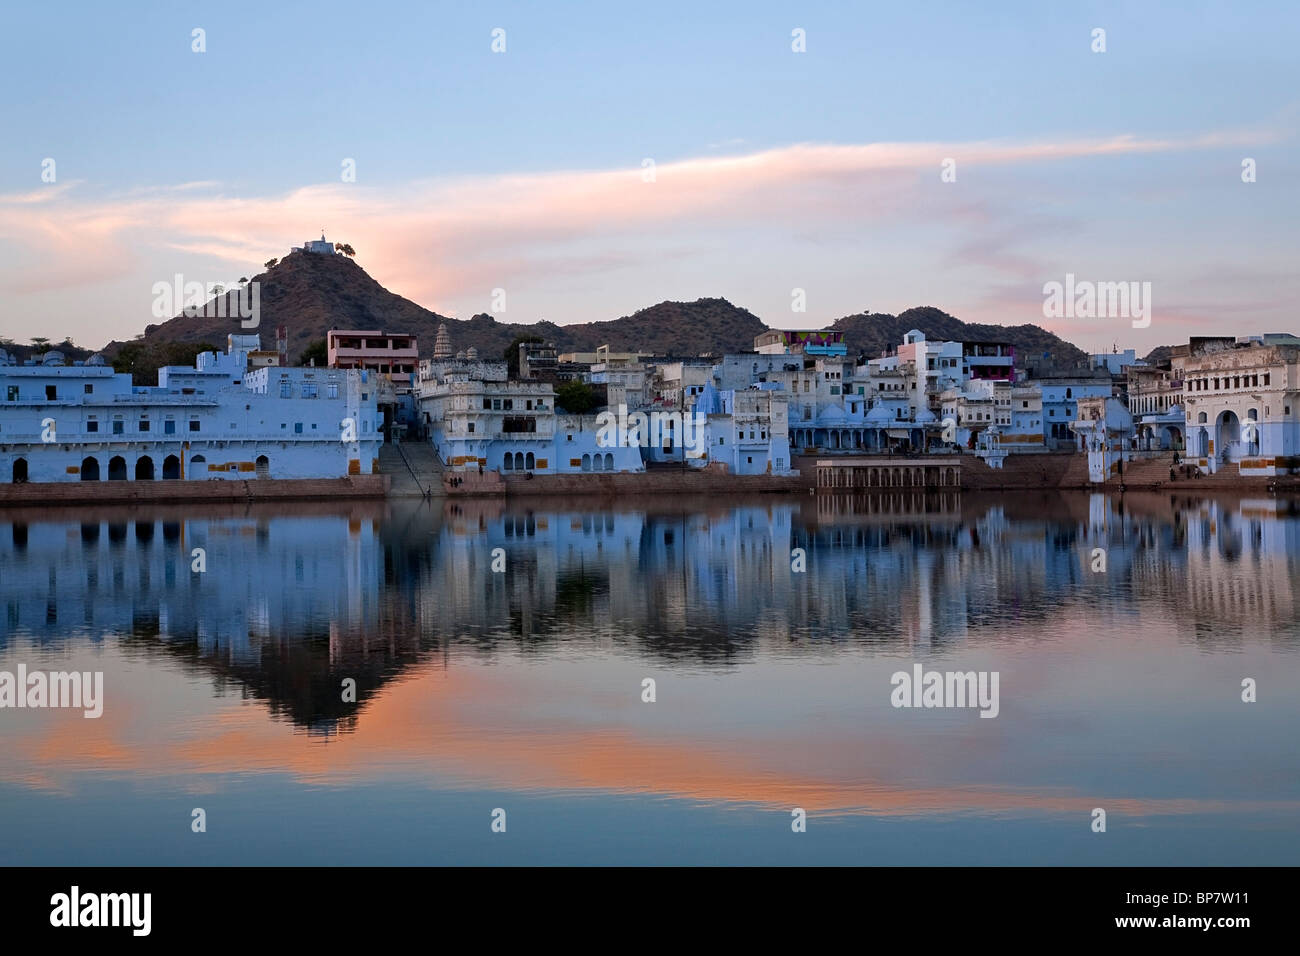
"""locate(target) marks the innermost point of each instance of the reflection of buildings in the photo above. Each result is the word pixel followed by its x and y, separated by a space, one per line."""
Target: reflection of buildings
pixel 294 600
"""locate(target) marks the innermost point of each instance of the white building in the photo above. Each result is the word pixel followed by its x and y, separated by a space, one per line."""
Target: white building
pixel 218 420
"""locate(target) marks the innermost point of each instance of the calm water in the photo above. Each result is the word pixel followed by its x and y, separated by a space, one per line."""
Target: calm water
pixel 522 690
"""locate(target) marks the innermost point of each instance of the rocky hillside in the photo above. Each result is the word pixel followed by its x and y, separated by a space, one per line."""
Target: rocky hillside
pixel 311 294
pixel 875 332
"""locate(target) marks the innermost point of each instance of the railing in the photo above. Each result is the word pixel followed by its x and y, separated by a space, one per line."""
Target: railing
pixel 426 492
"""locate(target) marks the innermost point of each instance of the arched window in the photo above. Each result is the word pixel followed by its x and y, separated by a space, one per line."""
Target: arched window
pixel 597 463
pixel 89 469
pixel 609 461
pixel 531 462
pixel 586 463
pixel 519 461
pixel 508 462
pixel 19 471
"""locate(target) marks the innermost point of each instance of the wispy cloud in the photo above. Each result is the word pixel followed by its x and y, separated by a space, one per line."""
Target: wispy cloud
pixel 437 241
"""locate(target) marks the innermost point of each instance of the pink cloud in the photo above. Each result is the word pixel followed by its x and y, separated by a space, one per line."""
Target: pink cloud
pixel 445 241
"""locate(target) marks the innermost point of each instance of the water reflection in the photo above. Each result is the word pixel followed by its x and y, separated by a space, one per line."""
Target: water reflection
pixel 1120 686
pixel 295 596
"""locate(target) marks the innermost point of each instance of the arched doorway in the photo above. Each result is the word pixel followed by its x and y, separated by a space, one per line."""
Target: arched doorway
pixel 262 466
pixel 20 471
pixel 171 468
pixel 117 468
pixel 89 469
pixel 1227 436
pixel 144 469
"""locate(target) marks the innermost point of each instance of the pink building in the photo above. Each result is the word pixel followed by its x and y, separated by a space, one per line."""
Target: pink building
pixel 389 353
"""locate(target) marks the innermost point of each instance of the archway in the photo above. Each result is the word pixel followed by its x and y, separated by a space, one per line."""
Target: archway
pixel 144 469
pixel 262 467
pixel 171 468
pixel 89 469
pixel 530 462
pixel 1227 436
pixel 20 471
pixel 117 468
pixel 609 461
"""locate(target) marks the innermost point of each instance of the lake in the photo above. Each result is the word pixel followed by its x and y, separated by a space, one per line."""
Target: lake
pixel 657 681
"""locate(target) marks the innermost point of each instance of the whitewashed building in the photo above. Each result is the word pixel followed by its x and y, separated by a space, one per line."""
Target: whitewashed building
pixel 217 420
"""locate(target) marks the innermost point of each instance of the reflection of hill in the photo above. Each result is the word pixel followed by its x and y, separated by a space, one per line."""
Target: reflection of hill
pixel 298 598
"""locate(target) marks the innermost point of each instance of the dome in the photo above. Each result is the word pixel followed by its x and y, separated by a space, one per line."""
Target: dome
pixel 708 402
pixel 879 415
pixel 832 415
pixel 924 416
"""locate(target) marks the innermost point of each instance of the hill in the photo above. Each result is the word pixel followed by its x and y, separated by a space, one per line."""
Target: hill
pixel 873 333
pixel 311 293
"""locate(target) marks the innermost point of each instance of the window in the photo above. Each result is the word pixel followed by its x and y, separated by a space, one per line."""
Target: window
pixel 118 427
pixel 309 390
pixel 13 393
pixel 194 424
pixel 471 428
pixel 332 390
pixel 286 390
pixel 144 424
pixel 90 389
pixel 169 427
pixel 51 393
pixel 92 426
pixel 297 428
pixel 487 404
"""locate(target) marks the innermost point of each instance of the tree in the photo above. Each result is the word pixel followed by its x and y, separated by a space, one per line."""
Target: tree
pixel 243 280
pixel 40 342
pixel 316 352
pixel 576 397
pixel 143 359
pixel 270 263
pixel 512 353
pixel 345 248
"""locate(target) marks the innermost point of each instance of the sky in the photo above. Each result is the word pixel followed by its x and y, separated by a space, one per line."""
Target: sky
pixel 611 157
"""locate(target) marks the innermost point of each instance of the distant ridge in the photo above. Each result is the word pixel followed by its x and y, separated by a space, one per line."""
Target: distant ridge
pixel 312 293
